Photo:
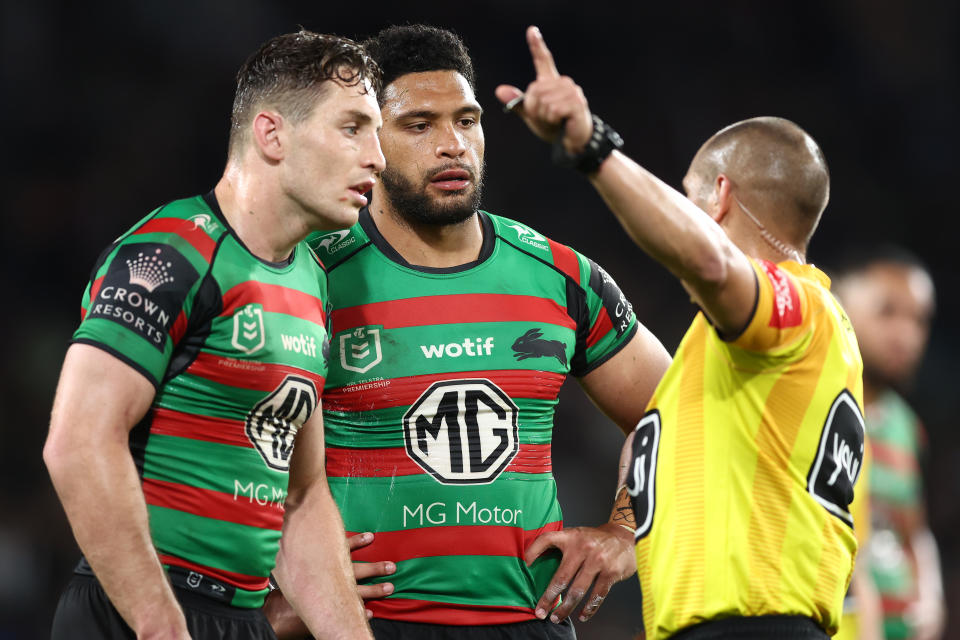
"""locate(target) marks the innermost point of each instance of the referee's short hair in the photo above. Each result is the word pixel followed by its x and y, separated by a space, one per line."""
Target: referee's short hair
pixel 289 73
pixel 416 48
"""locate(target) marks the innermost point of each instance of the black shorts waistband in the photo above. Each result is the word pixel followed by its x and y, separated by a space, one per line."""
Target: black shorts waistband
pixel 193 589
pixel 755 628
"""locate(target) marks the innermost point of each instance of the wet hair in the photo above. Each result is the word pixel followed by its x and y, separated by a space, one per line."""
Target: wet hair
pixel 289 73
pixel 778 164
pixel 415 48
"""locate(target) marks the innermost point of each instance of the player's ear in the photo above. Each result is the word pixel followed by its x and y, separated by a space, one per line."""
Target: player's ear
pixel 721 198
pixel 267 135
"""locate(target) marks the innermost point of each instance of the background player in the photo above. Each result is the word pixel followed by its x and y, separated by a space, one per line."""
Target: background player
pixel 200 355
pixel 742 510
pixel 890 299
pixel 453 331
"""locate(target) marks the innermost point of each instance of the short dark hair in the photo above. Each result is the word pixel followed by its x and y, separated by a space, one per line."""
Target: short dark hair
pixel 415 48
pixel 289 71
pixel 856 260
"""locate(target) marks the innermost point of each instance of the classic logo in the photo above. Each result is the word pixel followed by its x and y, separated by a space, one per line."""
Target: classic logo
pixel 272 424
pixel 642 474
pixel 203 221
pixel 333 242
pixel 462 431
pixel 839 459
pixel 248 332
pixel 360 349
pixel 529 236
pixel 531 345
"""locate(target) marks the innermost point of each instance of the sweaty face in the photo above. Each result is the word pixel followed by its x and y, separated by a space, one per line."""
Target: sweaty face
pixel 332 158
pixel 433 144
pixel 891 307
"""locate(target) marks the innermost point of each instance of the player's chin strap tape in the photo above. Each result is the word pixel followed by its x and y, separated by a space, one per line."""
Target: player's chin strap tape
pixel 601 144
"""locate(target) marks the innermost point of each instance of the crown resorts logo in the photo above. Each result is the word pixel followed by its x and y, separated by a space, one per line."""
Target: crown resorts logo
pixel 149 271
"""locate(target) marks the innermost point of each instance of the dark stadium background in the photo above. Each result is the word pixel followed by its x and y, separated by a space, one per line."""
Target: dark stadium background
pixel 110 109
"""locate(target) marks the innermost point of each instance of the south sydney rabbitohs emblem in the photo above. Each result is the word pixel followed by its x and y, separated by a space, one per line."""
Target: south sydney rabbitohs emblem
pixel 272 424
pixel 462 431
pixel 360 349
pixel 248 331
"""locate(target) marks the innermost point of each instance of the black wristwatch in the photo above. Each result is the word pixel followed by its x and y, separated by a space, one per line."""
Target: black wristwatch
pixel 601 144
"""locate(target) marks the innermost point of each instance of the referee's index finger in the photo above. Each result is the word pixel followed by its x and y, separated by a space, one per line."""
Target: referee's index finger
pixel 542 58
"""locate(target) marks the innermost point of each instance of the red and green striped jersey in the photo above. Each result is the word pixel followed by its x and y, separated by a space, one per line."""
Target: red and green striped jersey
pixel 439 410
pixel 896 495
pixel 237 350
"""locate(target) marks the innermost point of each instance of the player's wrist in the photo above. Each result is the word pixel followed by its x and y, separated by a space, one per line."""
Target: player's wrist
pixel 603 141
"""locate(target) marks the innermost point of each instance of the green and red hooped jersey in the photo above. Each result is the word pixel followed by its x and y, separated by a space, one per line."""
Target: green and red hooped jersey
pixel 237 350
pixel 439 410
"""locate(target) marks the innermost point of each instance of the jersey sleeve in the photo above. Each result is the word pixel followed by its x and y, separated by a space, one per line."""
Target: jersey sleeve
pixel 606 321
pixel 783 315
pixel 137 304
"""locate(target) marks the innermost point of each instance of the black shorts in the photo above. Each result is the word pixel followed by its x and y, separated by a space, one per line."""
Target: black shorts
pixel 530 630
pixel 85 613
pixel 757 628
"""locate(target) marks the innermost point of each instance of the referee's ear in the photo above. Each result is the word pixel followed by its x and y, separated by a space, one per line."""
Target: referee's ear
pixel 267 127
pixel 721 198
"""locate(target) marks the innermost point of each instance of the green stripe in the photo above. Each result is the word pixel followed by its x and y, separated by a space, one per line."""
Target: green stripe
pixel 215 543
pixel 477 580
pixel 398 503
pixel 127 342
pixel 207 465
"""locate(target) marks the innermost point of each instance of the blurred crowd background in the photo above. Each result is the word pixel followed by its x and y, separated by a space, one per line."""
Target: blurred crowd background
pixel 111 109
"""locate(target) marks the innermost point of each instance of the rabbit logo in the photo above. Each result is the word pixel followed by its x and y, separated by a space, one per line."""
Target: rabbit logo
pixel 532 345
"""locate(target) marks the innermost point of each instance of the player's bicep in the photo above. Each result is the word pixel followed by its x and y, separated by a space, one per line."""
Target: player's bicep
pixel 99 397
pixel 730 304
pixel 622 386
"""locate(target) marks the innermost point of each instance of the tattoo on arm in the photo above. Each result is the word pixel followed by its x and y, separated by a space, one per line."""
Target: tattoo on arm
pixel 623 510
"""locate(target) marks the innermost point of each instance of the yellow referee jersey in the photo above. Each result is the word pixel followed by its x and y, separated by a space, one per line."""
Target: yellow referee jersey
pixel 745 463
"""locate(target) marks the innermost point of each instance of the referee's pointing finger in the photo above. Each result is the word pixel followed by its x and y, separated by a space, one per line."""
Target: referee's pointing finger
pixel 542 58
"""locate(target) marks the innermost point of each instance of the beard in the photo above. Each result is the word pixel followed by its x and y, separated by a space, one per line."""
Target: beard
pixel 415 206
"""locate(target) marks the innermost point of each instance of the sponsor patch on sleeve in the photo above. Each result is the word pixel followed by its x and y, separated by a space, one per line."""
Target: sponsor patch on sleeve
pixel 616 304
pixel 144 289
pixel 786 300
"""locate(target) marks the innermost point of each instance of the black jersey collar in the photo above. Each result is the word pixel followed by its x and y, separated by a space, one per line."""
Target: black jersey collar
pixel 486 249
pixel 211 199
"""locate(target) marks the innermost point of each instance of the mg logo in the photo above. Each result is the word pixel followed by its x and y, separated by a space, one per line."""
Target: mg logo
pixel 273 422
pixel 462 431
pixel 360 349
pixel 248 333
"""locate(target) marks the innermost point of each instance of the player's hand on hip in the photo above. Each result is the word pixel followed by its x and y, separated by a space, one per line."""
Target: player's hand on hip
pixel 603 554
pixel 363 570
pixel 552 104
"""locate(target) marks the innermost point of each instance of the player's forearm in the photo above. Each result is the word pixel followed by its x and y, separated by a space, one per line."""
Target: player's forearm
pixel 664 223
pixel 313 567
pixel 622 512
pixel 100 491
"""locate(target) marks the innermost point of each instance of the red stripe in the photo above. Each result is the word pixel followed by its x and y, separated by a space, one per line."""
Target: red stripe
pixel 95 287
pixel 168 422
pixel 392 462
pixel 275 299
pixel 453 309
pixel 477 540
pixel 892 457
pixel 186 229
pixel 243 581
pixel 244 509
pixel 424 611
pixel 402 392
pixel 600 327
pixel 565 259
pixel 179 328
pixel 893 606
pixel 257 376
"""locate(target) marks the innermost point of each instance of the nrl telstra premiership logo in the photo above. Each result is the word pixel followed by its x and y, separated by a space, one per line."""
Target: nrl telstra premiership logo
pixel 360 349
pixel 248 332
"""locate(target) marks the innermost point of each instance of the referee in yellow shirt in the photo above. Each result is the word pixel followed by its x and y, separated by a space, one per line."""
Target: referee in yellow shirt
pixel 741 474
